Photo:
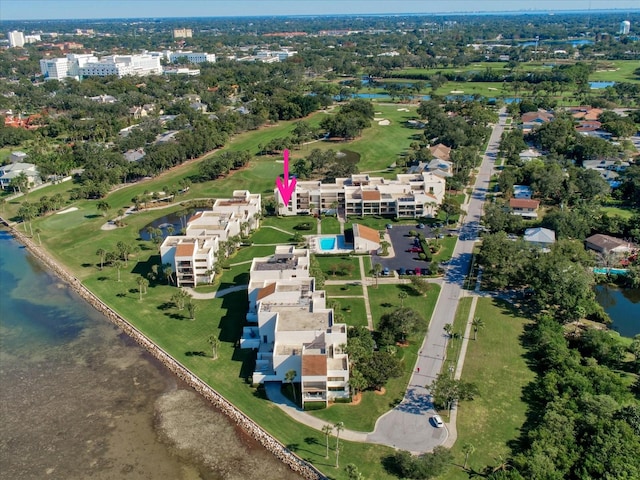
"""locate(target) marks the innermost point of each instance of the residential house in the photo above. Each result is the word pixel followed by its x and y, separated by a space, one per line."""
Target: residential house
pixel 531 120
pixel 525 207
pixel 540 237
pixel 199 107
pixel 606 244
pixel 522 191
pixel 11 171
pixel 441 152
pixel 408 196
pixel 585 113
pixel 529 154
pixel 439 167
pixel 138 112
pixel 18 157
pixel 104 99
pixel 192 258
pixel 134 155
pixel 291 328
pixel 609 170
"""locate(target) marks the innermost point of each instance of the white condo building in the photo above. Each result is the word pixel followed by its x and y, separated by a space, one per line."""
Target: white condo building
pixel 194 254
pixel 291 327
pixel 192 57
pixel 16 39
pixel 408 196
pixel 87 65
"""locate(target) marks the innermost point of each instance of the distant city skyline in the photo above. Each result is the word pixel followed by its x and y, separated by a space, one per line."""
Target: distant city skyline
pixel 104 9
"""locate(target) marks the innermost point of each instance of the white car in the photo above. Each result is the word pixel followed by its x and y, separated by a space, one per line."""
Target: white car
pixel 437 421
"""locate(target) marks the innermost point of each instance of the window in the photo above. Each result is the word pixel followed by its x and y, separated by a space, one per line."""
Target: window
pixel 335 379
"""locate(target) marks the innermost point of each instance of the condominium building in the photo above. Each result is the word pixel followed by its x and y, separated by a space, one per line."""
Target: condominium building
pixel 182 33
pixel 291 328
pixel 16 39
pixel 408 196
pixel 194 254
pixel 192 57
pixel 122 65
pixel 87 65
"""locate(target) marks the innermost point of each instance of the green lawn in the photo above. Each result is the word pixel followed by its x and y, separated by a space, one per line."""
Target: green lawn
pixel 330 225
pixel 362 417
pixel 289 223
pixel 379 146
pixel 353 310
pixel 624 212
pixel 496 364
pixel 342 290
pixel 384 299
pixel 270 235
pixel 327 263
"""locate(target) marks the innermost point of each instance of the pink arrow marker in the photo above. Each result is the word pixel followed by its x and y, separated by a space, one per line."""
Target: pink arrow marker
pixel 286 187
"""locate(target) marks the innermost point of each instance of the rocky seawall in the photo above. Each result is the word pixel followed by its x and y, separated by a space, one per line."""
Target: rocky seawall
pixel 295 463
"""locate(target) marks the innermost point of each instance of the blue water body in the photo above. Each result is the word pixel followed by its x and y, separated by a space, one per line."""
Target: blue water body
pixel 81 400
pixel 623 306
pixel 599 85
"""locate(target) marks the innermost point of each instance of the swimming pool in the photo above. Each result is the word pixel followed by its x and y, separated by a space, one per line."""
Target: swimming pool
pixel 612 271
pixel 330 243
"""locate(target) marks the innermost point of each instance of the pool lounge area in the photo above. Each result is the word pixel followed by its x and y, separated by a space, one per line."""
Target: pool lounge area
pixel 328 244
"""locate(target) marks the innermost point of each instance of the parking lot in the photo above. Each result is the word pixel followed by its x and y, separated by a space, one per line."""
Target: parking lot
pixel 402 242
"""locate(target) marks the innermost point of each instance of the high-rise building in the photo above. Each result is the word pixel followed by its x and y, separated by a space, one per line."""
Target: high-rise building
pixel 625 27
pixel 16 39
pixel 182 33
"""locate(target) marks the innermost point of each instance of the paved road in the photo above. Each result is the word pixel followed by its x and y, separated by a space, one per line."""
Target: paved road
pixel 407 426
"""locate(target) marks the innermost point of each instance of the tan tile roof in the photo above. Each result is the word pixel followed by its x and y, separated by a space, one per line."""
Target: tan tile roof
pixel 366 232
pixel 524 203
pixel 370 195
pixel 314 365
pixel 185 249
pixel 441 151
pixel 266 291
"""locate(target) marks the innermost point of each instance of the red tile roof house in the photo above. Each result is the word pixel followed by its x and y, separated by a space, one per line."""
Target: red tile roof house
pixel 524 207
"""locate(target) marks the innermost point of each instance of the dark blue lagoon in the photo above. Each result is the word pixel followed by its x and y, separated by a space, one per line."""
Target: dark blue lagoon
pixel 623 306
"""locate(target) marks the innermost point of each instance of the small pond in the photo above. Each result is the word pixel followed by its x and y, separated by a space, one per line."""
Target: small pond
pixel 623 306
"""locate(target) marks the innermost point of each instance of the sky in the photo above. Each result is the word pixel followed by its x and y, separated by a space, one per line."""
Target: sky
pixel 80 9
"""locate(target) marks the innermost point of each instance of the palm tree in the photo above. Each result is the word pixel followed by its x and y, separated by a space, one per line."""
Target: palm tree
pixel 214 341
pixel 327 430
pixel 402 296
pixel 448 329
pixel 376 271
pixel 101 252
pixel 167 269
pixel 192 308
pixel 37 232
pixel 118 265
pixel 142 285
pixel 289 377
pixel 477 324
pixel 339 427
pixel 467 449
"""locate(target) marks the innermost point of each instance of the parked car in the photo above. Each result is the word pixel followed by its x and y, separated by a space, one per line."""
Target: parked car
pixel 437 421
pixel 389 226
pixel 410 271
pixel 386 272
pixel 415 250
pixel 418 272
pixel 421 225
pixel 402 271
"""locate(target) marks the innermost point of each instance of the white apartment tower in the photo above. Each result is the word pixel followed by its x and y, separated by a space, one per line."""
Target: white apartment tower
pixel 16 39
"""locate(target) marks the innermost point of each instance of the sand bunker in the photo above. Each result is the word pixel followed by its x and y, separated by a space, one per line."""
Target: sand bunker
pixel 378 119
pixel 384 122
pixel 70 209
pixel 457 91
pixel 403 109
pixel 492 88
